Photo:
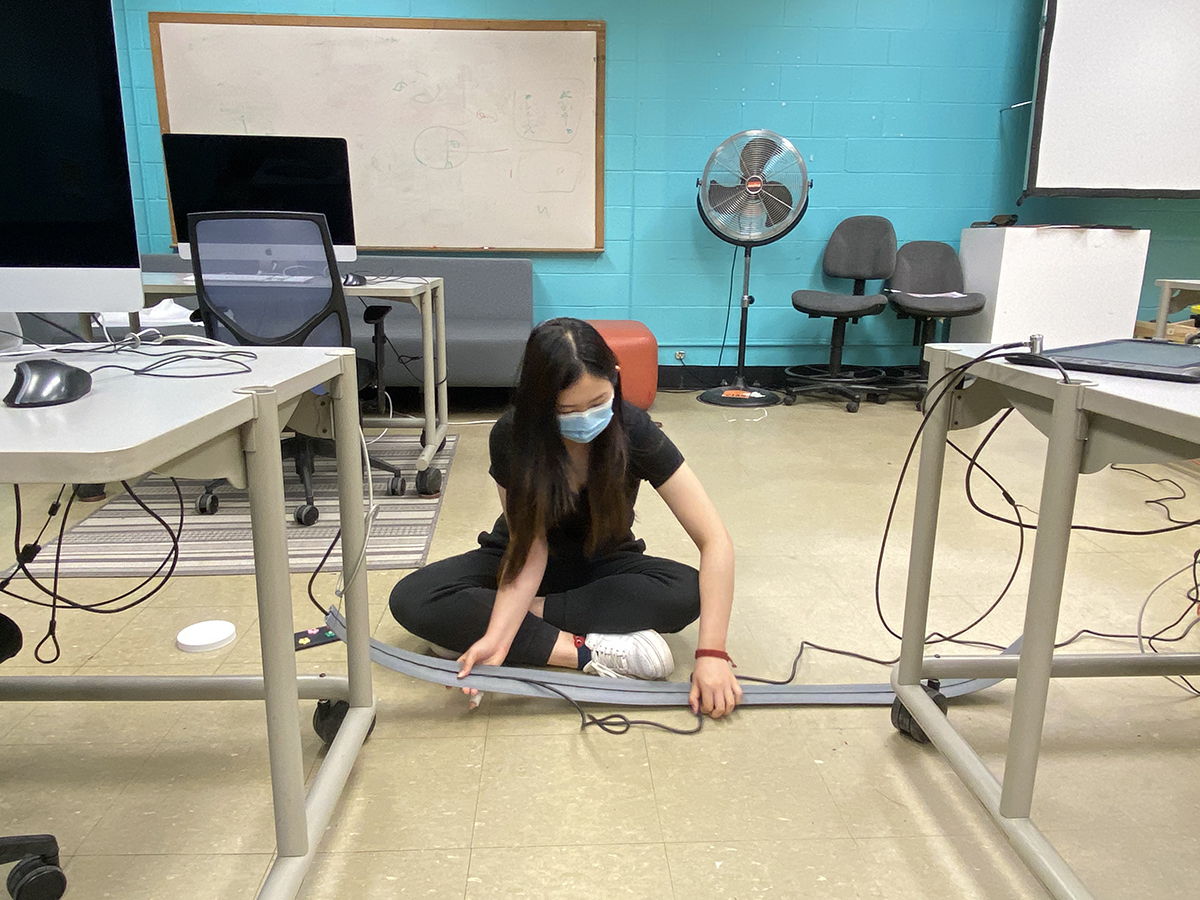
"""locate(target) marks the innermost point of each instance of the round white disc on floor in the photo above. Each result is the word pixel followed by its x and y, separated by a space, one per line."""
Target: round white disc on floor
pixel 211 635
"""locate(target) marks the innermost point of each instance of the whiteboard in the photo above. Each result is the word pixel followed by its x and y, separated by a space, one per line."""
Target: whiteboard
pixel 1117 112
pixel 463 134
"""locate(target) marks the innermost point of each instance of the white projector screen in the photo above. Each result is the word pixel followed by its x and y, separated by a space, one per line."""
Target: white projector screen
pixel 1117 111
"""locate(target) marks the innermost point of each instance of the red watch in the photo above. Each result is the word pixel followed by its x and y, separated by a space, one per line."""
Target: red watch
pixel 719 654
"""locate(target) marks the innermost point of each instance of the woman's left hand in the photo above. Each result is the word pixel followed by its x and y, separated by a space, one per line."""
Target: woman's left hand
pixel 715 690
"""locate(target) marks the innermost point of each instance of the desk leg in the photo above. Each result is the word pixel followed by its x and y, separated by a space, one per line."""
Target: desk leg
pixel 264 470
pixel 1064 455
pixel 924 532
pixel 1164 310
pixel 350 505
pixel 429 375
pixel 439 313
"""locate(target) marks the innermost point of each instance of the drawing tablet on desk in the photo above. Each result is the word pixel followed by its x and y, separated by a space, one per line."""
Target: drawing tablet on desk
pixel 1159 360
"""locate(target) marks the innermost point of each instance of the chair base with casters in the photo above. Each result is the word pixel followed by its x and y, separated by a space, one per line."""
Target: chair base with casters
pixel 852 384
pixel 37 874
pixel 304 450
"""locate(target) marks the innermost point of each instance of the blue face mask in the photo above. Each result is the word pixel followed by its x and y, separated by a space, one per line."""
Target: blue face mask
pixel 583 427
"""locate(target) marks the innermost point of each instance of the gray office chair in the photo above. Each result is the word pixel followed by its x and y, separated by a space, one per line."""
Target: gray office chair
pixel 270 279
pixel 926 287
pixel 861 248
pixel 37 874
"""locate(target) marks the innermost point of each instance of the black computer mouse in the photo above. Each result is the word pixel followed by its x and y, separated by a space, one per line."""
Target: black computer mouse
pixel 353 279
pixel 47 382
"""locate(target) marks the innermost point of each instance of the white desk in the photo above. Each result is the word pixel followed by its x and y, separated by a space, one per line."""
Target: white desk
pixel 223 427
pixel 427 295
pixel 1090 424
pixel 1166 293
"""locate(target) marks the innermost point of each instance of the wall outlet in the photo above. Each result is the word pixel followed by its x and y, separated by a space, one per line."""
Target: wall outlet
pixel 680 354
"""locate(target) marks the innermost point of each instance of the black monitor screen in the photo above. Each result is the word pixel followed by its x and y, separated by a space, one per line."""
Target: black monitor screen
pixel 64 195
pixel 217 172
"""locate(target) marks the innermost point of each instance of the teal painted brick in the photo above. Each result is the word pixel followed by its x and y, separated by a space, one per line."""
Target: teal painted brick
pixel 620 79
pixel 663 189
pixel 149 143
pixel 618 188
pixel 618 152
pixel 654 44
pixel 661 152
pixel 141 68
pixel 618 222
pixel 965 14
pixel 789 46
pixel 688 117
pixel 145 105
pixel 615 260
pixel 620 116
pixel 596 289
pixel 372 7
pixel 920 155
pixel 791 119
pixel 767 13
pixel 823 154
pixel 892 14
pixel 982 49
pixel 824 83
pixel 820 13
pixel 681 257
pixel 883 82
pixel 137 29
pixel 847 119
pixel 131 145
pixel 852 46
pixel 941 120
pixel 620 42
pixel 708 43
pixel 960 85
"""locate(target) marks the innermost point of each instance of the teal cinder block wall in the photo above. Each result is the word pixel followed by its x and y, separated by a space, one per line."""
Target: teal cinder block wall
pixel 895 104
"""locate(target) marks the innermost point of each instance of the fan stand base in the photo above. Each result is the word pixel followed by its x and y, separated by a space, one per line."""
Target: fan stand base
pixel 738 395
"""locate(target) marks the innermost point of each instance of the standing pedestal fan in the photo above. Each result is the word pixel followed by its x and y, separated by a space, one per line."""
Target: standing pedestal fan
pixel 753 192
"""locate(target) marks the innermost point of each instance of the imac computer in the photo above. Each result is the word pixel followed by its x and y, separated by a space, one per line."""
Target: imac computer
pixel 68 242
pixel 215 172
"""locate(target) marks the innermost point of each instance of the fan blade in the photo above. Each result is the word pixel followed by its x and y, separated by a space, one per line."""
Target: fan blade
pixel 724 199
pixel 778 201
pixel 758 154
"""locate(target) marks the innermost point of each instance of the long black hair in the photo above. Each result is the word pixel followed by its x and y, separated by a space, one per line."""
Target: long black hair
pixel 557 354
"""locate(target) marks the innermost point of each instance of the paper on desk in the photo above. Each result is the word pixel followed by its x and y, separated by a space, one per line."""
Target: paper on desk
pixel 165 312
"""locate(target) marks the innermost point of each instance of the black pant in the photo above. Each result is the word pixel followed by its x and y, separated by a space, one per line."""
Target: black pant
pixel 449 603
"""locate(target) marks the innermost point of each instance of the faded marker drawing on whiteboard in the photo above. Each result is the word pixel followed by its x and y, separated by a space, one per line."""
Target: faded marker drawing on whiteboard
pixel 457 138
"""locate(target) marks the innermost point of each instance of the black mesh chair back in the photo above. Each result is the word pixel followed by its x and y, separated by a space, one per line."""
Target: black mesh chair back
pixel 268 279
pixel 861 248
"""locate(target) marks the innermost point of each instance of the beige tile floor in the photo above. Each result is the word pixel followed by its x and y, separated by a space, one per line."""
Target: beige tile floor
pixel 512 800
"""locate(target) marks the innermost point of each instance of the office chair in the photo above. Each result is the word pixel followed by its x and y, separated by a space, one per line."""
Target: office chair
pixel 927 286
pixel 37 874
pixel 269 279
pixel 861 248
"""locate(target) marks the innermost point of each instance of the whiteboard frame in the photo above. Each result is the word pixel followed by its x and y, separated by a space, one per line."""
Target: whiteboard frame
pixel 1041 77
pixel 598 27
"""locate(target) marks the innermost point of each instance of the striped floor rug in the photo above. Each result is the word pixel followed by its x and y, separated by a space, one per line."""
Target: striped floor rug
pixel 120 539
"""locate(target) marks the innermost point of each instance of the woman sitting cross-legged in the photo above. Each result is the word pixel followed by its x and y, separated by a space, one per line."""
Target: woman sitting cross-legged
pixel 561 580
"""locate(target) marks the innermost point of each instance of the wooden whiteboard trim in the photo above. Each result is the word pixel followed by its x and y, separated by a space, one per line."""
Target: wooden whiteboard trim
pixel 157 19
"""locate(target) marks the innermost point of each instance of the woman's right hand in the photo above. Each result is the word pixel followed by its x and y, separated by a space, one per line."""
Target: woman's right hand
pixel 489 650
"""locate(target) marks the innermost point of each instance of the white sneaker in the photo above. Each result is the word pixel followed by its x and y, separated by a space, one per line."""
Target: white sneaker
pixel 443 652
pixel 643 654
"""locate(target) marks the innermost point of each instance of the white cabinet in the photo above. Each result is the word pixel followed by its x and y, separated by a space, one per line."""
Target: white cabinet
pixel 1072 285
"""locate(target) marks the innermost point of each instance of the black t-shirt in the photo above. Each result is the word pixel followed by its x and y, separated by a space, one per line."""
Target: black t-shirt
pixel 652 457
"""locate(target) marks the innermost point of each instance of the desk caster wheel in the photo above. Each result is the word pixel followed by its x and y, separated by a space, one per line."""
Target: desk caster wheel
pixel 33 878
pixel 429 482
pixel 879 399
pixel 904 721
pixel 396 486
pixel 207 504
pixel 852 406
pixel 307 514
pixel 789 399
pixel 328 718
pixel 441 446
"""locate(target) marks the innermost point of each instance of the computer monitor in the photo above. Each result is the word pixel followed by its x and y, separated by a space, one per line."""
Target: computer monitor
pixel 217 172
pixel 68 242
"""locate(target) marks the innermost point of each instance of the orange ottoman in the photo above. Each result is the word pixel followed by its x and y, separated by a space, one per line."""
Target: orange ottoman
pixel 637 355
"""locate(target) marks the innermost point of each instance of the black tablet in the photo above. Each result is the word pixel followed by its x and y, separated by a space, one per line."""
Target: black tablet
pixel 1160 360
